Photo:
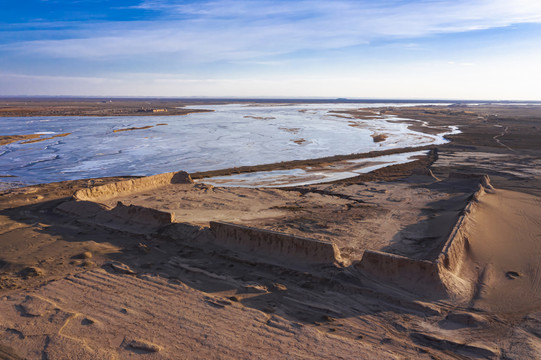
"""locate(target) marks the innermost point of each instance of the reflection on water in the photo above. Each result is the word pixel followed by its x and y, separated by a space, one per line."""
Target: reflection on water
pixel 233 135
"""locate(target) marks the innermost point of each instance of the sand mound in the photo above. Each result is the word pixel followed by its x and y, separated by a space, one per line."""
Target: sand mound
pixel 503 251
pixel 493 253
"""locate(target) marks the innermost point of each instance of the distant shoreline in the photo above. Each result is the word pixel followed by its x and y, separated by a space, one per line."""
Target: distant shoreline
pixel 92 107
pixel 101 106
pixel 208 100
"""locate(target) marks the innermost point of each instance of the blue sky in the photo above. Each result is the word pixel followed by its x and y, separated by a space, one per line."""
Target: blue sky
pixel 432 49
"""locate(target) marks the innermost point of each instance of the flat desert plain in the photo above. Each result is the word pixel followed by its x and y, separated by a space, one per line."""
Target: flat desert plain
pixel 438 258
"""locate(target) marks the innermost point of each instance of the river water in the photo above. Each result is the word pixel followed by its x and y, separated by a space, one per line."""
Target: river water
pixel 232 135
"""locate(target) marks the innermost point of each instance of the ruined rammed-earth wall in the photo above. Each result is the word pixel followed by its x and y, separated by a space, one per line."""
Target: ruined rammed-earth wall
pixel 86 204
pixel 442 272
pixel 265 243
pixel 140 184
pixel 275 245
pixel 452 254
pixel 400 270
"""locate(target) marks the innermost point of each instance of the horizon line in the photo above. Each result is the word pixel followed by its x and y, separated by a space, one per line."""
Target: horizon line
pixel 268 98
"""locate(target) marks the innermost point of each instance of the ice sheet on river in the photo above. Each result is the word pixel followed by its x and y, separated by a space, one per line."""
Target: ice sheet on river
pixel 232 135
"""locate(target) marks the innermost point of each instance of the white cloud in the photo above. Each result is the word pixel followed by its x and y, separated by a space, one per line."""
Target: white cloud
pixel 227 30
pixel 262 42
pixel 454 63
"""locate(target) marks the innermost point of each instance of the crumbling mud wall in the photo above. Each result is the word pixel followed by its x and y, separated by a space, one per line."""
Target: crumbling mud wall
pixel 141 214
pixel 392 266
pixel 101 192
pixel 132 218
pixel 456 247
pixel 428 277
pixel 420 276
pixel 455 252
pixel 267 243
pixel 186 232
pixel 441 275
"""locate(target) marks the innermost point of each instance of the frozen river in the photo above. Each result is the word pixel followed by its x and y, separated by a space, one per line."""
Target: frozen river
pixel 232 135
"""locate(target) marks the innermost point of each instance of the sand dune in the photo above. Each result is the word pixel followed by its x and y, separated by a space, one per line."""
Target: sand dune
pixel 504 252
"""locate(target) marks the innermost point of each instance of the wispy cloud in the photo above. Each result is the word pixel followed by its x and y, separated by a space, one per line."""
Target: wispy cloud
pixel 226 30
pixel 454 63
pixel 336 48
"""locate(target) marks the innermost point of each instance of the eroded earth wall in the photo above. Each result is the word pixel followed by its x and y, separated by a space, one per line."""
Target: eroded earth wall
pixel 274 244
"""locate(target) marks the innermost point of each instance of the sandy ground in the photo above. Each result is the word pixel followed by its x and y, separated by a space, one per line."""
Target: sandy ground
pixel 411 217
pixel 71 288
